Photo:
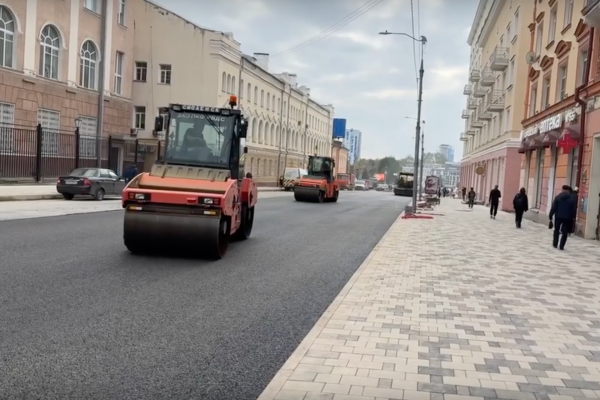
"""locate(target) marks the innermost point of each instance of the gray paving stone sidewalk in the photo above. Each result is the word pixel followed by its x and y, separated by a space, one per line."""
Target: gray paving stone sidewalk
pixel 455 308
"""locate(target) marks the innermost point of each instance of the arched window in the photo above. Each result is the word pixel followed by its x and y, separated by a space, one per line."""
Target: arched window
pixel 228 83
pixel 255 94
pixel 254 132
pixel 233 85
pixel 249 94
pixel 89 59
pixel 267 134
pixel 224 82
pixel 7 37
pixel 49 48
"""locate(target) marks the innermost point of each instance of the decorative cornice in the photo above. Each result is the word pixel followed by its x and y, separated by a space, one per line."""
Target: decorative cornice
pixel 533 73
pixel 546 63
pixel 581 30
pixel 562 48
pixel 540 17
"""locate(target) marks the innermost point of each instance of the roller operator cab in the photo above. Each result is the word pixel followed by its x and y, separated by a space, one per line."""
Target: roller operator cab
pixel 196 198
pixel 319 185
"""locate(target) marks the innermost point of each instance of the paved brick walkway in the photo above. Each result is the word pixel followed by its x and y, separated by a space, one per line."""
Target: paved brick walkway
pixel 459 307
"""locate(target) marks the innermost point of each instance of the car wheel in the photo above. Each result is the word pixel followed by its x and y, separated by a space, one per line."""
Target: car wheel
pixel 68 196
pixel 99 195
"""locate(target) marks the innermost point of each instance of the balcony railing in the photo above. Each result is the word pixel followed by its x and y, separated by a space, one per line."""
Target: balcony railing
pixel 475 75
pixel 483 114
pixel 591 13
pixel 479 91
pixel 466 114
pixel 499 59
pixel 487 78
pixel 470 132
pixel 468 89
pixel 472 104
pixel 496 101
pixel 476 122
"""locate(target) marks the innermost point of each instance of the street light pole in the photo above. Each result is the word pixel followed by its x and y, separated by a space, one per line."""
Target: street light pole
pixel 423 41
pixel 422 161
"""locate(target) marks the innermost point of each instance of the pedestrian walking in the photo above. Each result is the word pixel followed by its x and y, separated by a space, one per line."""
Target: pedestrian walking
pixel 464 193
pixel 495 196
pixel 563 211
pixel 471 196
pixel 521 205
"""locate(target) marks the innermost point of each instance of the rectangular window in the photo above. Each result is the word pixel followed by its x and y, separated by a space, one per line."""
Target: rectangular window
pixel 581 62
pixel 7 120
pixel 121 13
pixel 165 74
pixel 561 83
pixel 87 137
pixel 509 30
pixel 255 94
pixel 546 93
pixel 241 89
pixel 538 39
pixel 507 125
pixel 572 167
pixel 268 101
pixel 141 70
pixel 552 28
pixel 568 13
pixel 118 73
pixel 140 118
pixel 249 92
pixel 92 5
pixel 262 98
pixel 533 100
pixel 539 171
pixel 50 121
pixel 515 25
pixel 511 72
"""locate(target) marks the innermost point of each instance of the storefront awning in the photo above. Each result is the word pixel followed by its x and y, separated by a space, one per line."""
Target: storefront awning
pixel 531 143
pixel 549 139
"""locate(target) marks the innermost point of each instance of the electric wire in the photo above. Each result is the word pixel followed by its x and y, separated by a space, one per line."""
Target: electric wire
pixel 360 11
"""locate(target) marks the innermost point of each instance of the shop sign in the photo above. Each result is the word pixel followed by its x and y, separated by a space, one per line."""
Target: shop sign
pixel 552 123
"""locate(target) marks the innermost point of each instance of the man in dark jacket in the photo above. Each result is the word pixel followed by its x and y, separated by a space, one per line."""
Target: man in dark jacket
pixel 494 201
pixel 521 206
pixel 471 195
pixel 564 210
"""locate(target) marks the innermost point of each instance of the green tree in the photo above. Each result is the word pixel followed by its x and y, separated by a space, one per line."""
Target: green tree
pixel 440 158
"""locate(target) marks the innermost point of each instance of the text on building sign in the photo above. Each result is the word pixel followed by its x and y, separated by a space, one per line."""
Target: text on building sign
pixel 200 108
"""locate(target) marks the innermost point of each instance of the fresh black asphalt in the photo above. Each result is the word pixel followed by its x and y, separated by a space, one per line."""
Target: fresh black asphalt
pixel 81 318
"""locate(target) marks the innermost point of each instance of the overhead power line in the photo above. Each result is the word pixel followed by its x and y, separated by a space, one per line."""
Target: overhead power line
pixel 366 7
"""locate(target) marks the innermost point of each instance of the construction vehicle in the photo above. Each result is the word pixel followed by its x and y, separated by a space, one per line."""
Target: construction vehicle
pixel 196 198
pixel 346 181
pixel 319 185
pixel 404 184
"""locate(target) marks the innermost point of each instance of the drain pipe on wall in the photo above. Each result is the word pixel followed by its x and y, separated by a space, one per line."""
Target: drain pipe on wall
pixel 583 104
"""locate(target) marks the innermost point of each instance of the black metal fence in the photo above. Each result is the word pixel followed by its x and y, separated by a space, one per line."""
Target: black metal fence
pixel 37 153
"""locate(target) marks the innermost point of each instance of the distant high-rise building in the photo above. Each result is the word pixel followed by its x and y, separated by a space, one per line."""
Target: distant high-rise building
pixel 352 142
pixel 447 151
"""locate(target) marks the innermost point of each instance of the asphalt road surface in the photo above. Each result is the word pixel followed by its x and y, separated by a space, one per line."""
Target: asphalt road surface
pixel 81 318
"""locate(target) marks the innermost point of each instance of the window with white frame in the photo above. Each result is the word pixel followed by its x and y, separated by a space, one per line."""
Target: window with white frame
pixel 262 98
pixel 511 72
pixel 268 101
pixel 121 13
pixel 224 82
pixel 533 100
pixel 255 94
pixel 561 83
pixel 89 59
pixel 139 121
pixel 87 137
pixel 7 120
pixel 141 71
pixel 539 171
pixel 573 165
pixel 7 37
pixel 509 30
pixel 546 93
pixel 119 73
pixel 581 63
pixel 552 27
pixel 249 92
pixel 92 5
pixel 515 25
pixel 568 13
pixel 165 74
pixel 50 122
pixel 539 37
pixel 49 49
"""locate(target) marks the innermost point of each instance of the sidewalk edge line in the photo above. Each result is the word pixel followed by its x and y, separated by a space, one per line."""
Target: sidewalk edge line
pixel 282 375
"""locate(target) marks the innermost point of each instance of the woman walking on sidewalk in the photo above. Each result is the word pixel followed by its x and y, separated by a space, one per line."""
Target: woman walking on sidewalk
pixel 520 204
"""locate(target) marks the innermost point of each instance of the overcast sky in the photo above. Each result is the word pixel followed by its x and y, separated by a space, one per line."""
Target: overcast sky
pixel 370 79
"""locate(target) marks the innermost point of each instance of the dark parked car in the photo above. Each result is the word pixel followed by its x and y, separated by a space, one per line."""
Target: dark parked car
pixel 95 182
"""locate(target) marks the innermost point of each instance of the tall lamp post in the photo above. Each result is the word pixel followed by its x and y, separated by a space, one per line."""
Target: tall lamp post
pixel 422 160
pixel 423 41
pixel 77 141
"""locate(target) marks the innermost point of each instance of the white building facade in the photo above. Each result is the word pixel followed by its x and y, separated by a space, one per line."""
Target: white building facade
pixel 353 142
pixel 285 124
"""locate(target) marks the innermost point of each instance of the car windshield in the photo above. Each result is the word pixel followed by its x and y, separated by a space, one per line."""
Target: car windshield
pixel 200 139
pixel 360 182
pixel 406 181
pixel 85 172
pixel 318 165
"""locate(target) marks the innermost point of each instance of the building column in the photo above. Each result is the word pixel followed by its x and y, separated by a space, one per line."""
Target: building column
pixel 108 49
pixel 74 45
pixel 31 38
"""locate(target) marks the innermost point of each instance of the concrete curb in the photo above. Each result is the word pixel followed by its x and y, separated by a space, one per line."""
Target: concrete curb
pixel 281 377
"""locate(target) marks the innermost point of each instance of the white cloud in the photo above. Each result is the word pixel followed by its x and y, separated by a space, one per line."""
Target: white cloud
pixel 387 94
pixel 367 40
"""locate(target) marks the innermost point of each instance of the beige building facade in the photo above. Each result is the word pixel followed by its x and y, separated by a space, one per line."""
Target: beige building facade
pixel 285 124
pixel 499 40
pixel 50 65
